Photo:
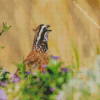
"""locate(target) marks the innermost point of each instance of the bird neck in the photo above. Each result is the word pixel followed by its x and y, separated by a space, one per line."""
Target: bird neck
pixel 40 47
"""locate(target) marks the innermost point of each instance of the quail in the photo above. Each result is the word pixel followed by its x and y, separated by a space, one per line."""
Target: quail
pixel 39 54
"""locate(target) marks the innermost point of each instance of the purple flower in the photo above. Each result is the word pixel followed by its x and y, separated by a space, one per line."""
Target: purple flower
pixel 27 73
pixel 37 79
pixel 52 89
pixel 9 81
pixel 25 77
pixel 30 86
pixel 15 99
pixel 55 57
pixel 3 95
pixel 3 84
pixel 44 66
pixel 2 76
pixel 58 97
pixel 64 70
pixel 44 72
pixel 17 79
pixel 3 71
pixel 14 75
pixel 34 74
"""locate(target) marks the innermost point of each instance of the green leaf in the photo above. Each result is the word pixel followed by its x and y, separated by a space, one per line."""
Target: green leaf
pixel 60 80
pixel 6 75
pixel 2 47
pixel 5 28
pixel 21 68
pixel 53 66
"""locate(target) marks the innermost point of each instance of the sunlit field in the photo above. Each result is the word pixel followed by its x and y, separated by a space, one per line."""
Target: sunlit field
pixel 56 83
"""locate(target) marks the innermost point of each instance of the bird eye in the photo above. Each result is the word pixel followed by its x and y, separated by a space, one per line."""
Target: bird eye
pixel 45 28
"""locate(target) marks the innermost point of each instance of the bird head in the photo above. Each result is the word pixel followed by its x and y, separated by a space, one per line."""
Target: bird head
pixel 41 36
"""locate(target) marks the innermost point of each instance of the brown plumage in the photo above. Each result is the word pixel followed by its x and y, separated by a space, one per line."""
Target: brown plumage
pixel 39 55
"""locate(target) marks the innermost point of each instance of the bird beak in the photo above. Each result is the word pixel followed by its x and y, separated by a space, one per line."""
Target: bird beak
pixel 49 30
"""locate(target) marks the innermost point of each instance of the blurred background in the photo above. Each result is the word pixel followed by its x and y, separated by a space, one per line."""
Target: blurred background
pixel 68 23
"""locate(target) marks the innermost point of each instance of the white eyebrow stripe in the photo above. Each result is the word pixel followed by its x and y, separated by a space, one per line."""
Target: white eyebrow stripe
pixel 40 34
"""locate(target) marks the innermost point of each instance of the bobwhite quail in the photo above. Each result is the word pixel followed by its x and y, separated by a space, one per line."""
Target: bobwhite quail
pixel 39 55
